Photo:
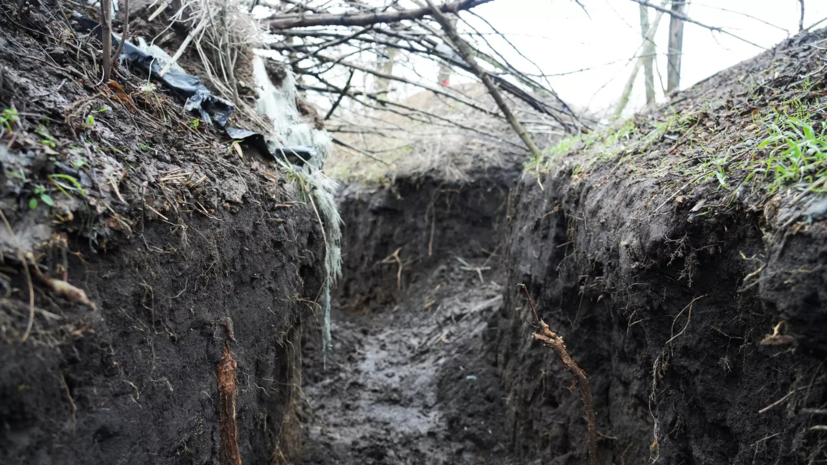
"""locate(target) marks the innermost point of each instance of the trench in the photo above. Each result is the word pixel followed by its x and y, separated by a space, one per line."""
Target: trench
pixel 408 380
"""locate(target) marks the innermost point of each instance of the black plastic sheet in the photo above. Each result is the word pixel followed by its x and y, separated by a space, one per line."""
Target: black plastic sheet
pixel 211 108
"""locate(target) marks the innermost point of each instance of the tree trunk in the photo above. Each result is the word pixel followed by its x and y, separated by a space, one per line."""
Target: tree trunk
pixel 673 79
pixel 385 67
pixel 647 50
pixel 648 72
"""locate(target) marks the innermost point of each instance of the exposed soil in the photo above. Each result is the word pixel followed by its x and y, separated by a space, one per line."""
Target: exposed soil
pixel 192 258
pixel 664 283
pixel 407 381
pixel 202 271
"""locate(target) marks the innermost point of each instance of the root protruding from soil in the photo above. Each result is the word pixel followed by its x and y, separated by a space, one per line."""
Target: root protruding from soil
pixel 553 341
pixel 227 396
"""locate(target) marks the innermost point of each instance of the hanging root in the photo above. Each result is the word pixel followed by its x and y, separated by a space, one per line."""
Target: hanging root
pixel 555 342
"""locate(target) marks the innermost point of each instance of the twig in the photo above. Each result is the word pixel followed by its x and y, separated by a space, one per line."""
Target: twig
pixel 365 19
pixel 427 114
pixel 106 39
pixel 125 33
pixel 344 144
pixel 22 259
pixel 207 17
pixel 411 82
pixel 781 400
pixel 555 342
pixel 341 97
pixel 690 20
pixel 468 56
pixel 801 19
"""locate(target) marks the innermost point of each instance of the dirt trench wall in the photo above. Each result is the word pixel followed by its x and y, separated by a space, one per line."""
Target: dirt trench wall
pixel 653 306
pixel 427 219
pixel 135 381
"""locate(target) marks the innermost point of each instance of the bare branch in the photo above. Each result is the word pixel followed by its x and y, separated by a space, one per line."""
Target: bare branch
pixel 413 83
pixel 468 56
pixel 690 20
pixel 366 19
pixel 125 33
pixel 341 97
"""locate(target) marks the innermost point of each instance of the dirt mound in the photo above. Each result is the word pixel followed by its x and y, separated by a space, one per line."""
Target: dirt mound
pixel 152 246
pixel 682 258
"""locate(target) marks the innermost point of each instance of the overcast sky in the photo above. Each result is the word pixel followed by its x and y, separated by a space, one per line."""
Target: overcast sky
pixel 560 37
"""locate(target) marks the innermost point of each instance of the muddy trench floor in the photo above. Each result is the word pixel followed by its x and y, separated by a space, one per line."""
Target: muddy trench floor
pixel 410 383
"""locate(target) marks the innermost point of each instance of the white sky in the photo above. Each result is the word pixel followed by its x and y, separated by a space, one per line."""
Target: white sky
pixel 559 37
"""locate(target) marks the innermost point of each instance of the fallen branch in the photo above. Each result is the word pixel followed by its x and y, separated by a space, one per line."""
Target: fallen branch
pixel 467 55
pixel 555 342
pixel 366 19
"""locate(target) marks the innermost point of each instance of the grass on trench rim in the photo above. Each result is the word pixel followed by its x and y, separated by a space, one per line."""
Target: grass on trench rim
pixel 797 155
pixel 608 138
pixel 790 152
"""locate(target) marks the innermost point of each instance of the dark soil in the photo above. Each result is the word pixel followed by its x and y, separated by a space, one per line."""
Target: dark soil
pixel 409 380
pixel 664 295
pixel 182 247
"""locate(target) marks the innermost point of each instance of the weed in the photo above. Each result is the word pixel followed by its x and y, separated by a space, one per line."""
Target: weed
pixel 40 193
pixel 194 124
pixel 90 118
pixel 7 117
pixel 48 140
pixel 74 184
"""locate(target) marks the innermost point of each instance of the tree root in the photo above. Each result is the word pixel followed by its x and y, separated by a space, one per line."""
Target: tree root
pixel 555 342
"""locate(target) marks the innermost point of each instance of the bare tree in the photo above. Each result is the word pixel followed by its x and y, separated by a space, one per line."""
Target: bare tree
pixel 673 74
pixel 647 50
pixel 648 60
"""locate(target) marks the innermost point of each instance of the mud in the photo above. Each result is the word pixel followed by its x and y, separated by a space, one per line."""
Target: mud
pixel 409 380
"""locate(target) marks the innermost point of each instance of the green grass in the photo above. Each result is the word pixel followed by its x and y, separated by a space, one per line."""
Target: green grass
pixel 606 141
pixel 796 155
pixel 790 153
pixel 7 117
